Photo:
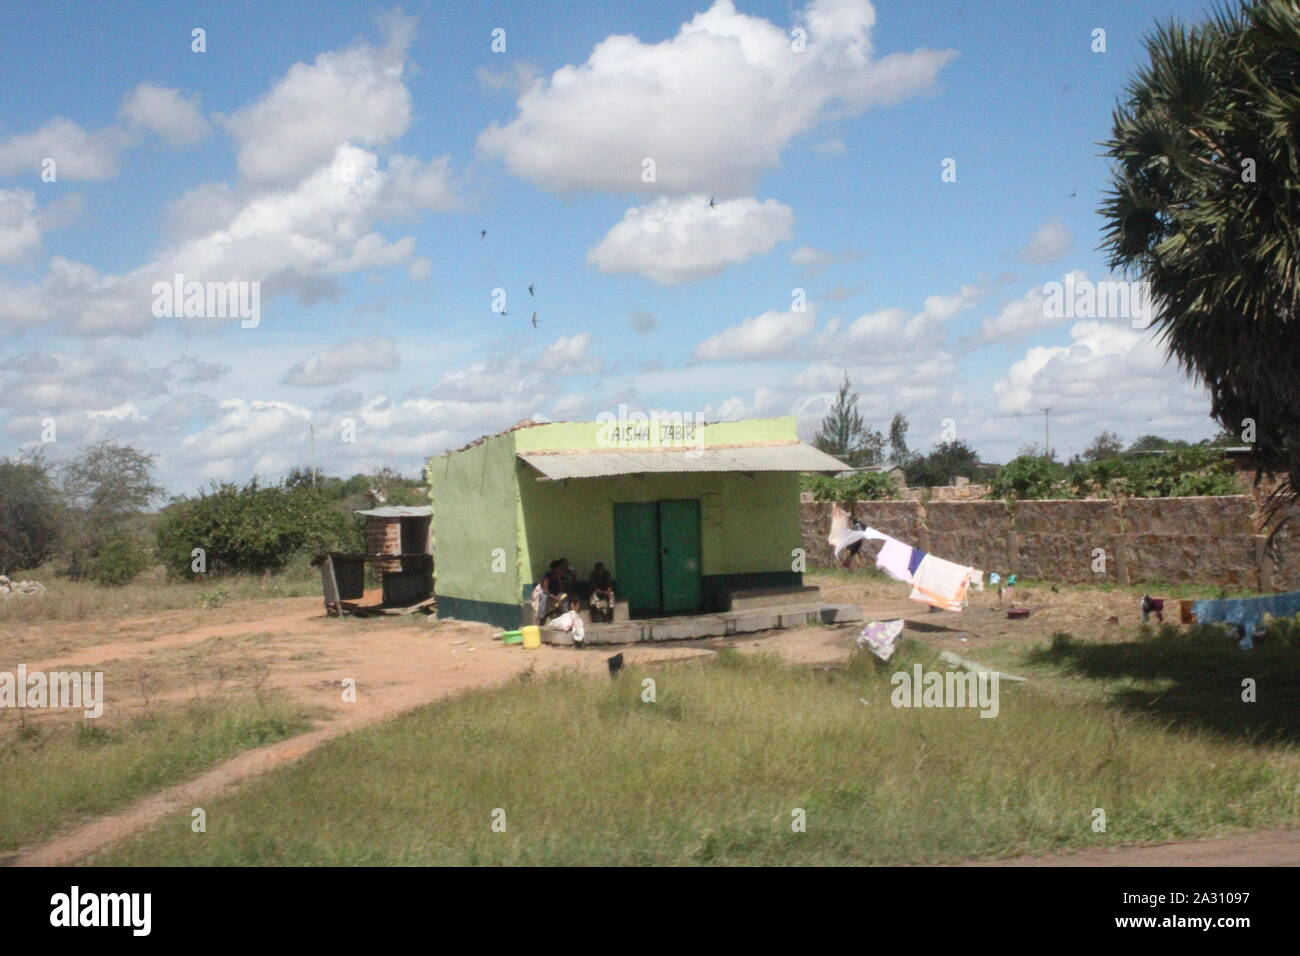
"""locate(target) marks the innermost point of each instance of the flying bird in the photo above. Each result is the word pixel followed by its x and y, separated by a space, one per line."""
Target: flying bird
pixel 482 233
pixel 534 320
pixel 530 288
pixel 1073 194
pixel 713 202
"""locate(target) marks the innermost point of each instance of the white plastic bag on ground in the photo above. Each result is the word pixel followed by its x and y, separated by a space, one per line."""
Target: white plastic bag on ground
pixel 570 621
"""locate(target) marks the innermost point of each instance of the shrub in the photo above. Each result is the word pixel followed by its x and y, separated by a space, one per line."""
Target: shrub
pixel 253 528
pixel 859 486
pixel 1029 476
pixel 118 560
pixel 29 514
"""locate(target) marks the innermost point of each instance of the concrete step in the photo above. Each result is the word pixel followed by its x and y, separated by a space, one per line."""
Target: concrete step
pixel 774 597
pixel 698 626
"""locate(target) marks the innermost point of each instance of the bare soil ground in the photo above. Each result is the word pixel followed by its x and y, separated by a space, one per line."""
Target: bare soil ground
pixel 399 663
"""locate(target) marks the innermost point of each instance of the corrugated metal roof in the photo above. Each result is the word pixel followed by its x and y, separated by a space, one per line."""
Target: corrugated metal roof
pixel 399 511
pixel 794 456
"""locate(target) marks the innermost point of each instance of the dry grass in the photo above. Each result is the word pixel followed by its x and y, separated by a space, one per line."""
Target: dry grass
pixel 69 600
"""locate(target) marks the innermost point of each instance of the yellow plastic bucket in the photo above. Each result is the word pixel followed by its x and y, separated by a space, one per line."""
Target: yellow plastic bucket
pixel 532 637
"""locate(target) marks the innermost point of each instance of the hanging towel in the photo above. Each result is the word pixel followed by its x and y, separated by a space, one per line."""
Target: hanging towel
pixel 940 583
pixel 893 559
pixel 842 536
pixel 914 561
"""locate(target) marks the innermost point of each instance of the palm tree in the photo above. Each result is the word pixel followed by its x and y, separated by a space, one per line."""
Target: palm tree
pixel 1205 207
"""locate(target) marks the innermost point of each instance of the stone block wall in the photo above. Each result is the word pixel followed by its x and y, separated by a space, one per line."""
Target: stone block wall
pixel 1212 540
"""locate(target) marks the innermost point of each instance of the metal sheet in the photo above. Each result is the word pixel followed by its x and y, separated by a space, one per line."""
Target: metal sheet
pixel 398 511
pixel 795 456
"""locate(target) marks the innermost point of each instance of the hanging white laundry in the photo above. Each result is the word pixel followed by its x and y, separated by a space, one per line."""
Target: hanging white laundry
pixel 842 536
pixel 940 583
pixel 893 559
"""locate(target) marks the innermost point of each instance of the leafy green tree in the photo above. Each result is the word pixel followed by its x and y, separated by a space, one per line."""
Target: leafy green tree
pixel 1204 208
pixel 898 450
pixel 948 460
pixel 107 486
pixel 1105 445
pixel 30 519
pixel 845 434
pixel 305 478
pixel 108 481
pixel 1149 443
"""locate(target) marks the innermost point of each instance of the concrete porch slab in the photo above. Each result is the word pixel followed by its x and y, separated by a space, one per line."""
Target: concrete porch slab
pixel 696 627
pixel 774 597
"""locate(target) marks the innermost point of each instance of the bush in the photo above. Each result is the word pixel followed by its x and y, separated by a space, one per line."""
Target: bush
pixel 118 560
pixel 859 486
pixel 1029 476
pixel 29 514
pixel 253 528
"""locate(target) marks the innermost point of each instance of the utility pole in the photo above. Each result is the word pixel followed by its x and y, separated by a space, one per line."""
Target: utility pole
pixel 1047 433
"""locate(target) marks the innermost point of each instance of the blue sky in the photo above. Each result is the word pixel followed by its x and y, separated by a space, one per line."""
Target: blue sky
pixel 345 158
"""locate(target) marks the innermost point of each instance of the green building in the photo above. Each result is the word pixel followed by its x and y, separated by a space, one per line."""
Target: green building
pixel 681 513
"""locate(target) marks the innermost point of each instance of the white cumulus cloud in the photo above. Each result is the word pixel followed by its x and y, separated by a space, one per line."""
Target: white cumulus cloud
pixel 713 107
pixel 671 241
pixel 767 336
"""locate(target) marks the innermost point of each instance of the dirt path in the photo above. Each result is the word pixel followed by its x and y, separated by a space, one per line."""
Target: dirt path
pixel 1261 848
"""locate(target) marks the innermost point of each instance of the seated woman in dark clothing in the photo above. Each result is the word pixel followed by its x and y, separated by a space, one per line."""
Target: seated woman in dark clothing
pixel 602 594
pixel 554 596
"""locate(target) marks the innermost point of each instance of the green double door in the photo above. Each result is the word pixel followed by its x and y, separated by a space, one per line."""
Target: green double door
pixel 657 556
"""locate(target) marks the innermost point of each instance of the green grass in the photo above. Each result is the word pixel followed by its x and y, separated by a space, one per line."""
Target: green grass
pixel 588 773
pixel 55 774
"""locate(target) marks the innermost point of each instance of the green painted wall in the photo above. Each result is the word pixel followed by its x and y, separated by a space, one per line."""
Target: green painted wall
pixel 747 524
pixel 475 502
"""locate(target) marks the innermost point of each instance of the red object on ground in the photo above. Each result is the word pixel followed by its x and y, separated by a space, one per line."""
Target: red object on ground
pixel 1016 613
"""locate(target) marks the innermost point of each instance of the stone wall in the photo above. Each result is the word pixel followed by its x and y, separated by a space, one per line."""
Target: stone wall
pixel 1173 540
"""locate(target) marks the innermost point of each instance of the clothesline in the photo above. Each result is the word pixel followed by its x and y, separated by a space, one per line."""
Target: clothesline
pixel 934 581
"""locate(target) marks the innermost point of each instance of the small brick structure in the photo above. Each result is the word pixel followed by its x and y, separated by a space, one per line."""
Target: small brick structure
pixel 398 546
pixel 384 536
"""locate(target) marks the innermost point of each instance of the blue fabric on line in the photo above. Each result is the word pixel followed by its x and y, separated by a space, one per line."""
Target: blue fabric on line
pixel 914 561
pixel 1246 613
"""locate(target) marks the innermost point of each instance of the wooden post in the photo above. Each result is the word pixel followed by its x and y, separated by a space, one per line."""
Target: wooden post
pixel 1121 559
pixel 1263 563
